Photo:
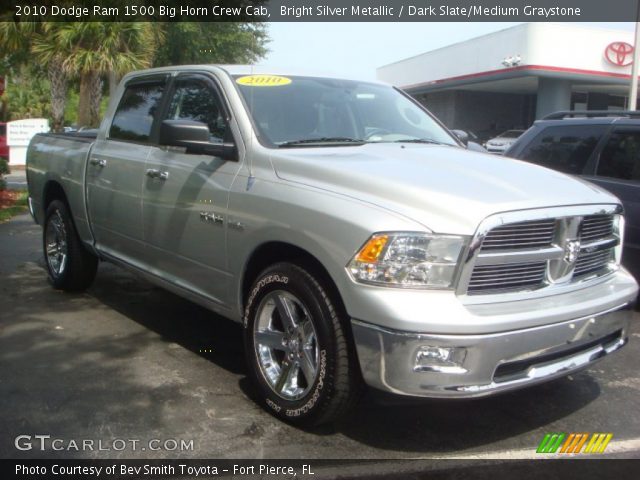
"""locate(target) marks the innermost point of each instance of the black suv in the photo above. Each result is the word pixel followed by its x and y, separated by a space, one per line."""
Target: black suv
pixel 601 146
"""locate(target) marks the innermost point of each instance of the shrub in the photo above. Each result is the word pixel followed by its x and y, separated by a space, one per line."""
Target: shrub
pixel 4 170
pixel 4 167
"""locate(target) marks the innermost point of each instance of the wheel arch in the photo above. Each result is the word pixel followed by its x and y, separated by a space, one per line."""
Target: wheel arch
pixel 53 190
pixel 273 252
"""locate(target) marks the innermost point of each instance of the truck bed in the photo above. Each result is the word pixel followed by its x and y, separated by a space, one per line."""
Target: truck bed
pixel 62 158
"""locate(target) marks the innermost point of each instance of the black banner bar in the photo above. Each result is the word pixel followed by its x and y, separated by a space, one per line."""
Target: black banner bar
pixel 323 10
pixel 318 469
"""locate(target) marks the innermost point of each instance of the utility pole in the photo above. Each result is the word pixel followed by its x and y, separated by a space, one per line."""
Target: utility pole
pixel 633 90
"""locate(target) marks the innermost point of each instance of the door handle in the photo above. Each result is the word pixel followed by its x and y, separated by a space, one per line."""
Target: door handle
pixel 98 162
pixel 155 173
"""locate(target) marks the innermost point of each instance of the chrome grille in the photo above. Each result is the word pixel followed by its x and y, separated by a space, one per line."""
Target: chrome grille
pixel 520 256
pixel 537 233
pixel 494 278
pixel 595 227
pixel 589 263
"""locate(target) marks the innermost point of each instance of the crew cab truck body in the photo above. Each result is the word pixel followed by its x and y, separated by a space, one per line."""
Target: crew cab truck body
pixel 350 232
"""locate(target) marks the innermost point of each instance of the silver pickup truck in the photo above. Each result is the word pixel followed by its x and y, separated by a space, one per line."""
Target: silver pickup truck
pixel 354 236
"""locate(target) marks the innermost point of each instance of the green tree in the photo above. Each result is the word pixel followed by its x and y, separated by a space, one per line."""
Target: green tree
pixel 17 48
pixel 205 42
pixel 52 55
pixel 28 94
pixel 94 49
pixel 86 53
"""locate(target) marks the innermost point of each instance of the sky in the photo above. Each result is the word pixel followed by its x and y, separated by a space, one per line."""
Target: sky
pixel 355 50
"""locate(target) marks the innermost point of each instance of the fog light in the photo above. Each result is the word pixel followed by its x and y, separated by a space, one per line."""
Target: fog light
pixel 440 359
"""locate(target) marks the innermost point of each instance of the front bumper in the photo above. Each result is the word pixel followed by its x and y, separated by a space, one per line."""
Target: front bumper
pixel 491 362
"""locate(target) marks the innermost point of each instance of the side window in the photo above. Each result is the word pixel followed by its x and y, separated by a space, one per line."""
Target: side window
pixel 195 100
pixel 564 148
pixel 134 116
pixel 620 158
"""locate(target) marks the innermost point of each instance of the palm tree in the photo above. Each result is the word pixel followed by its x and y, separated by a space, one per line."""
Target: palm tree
pixel 94 49
pixel 52 56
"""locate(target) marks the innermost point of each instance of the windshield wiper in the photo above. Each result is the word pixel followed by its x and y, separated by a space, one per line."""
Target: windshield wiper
pixel 421 140
pixel 320 141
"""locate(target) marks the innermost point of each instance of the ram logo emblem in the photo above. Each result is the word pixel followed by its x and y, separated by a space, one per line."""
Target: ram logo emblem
pixel 571 251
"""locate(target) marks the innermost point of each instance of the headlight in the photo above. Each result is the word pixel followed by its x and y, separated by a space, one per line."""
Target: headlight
pixel 408 260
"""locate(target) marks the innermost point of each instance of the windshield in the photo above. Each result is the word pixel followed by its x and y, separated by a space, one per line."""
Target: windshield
pixel 511 134
pixel 308 111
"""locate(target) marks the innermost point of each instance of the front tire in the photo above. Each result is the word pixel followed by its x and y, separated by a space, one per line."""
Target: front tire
pixel 70 266
pixel 297 350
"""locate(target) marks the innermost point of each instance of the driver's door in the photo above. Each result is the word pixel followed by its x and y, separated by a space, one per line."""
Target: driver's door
pixel 185 196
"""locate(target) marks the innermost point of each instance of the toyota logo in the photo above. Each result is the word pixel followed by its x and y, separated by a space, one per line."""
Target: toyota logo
pixel 619 53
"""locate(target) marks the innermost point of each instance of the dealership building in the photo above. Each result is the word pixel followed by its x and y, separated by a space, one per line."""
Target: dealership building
pixel 512 77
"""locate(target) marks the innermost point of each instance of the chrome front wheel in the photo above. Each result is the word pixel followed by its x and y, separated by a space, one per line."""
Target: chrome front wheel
pixel 286 345
pixel 297 349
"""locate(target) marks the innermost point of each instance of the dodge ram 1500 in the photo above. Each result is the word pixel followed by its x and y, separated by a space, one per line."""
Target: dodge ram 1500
pixel 350 232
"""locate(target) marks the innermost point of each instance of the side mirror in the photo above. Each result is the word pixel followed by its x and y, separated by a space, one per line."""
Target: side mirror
pixel 195 138
pixel 476 147
pixel 462 135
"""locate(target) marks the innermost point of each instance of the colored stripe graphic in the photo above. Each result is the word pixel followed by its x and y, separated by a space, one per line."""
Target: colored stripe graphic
pixel 598 443
pixel 582 441
pixel 550 442
pixel 543 444
pixel 556 445
pixel 572 443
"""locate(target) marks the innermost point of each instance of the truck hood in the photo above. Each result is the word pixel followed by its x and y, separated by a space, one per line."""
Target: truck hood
pixel 446 189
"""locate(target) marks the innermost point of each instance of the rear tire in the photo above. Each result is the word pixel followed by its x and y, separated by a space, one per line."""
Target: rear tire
pixel 297 350
pixel 70 265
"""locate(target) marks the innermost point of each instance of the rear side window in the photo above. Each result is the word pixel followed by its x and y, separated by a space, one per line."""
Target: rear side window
pixel 135 113
pixel 565 148
pixel 620 158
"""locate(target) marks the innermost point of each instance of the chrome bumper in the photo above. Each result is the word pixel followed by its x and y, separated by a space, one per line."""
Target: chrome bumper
pixel 488 363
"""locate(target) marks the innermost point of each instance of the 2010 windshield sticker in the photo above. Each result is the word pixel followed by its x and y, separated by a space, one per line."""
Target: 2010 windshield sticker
pixel 263 80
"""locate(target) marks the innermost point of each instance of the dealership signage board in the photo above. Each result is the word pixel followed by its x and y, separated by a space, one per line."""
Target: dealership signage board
pixel 20 133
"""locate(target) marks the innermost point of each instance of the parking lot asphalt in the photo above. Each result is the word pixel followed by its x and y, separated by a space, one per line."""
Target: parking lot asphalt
pixel 127 360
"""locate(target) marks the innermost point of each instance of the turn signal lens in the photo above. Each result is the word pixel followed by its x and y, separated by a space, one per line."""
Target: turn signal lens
pixel 372 249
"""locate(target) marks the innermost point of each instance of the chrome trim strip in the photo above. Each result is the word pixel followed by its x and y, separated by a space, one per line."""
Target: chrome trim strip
pixel 31 209
pixel 519 256
pixel 544 372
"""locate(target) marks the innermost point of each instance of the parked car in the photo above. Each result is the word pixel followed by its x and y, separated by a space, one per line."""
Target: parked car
pixel 4 148
pixel 470 140
pixel 602 147
pixel 502 142
pixel 352 235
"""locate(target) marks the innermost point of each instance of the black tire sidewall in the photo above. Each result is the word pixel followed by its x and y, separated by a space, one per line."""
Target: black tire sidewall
pixel 298 282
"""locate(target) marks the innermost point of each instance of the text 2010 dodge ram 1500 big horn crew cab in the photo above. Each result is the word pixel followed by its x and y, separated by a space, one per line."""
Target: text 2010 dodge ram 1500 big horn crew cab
pixel 349 231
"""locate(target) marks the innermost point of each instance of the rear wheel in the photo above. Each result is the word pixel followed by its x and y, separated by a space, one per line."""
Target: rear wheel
pixel 70 266
pixel 296 347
